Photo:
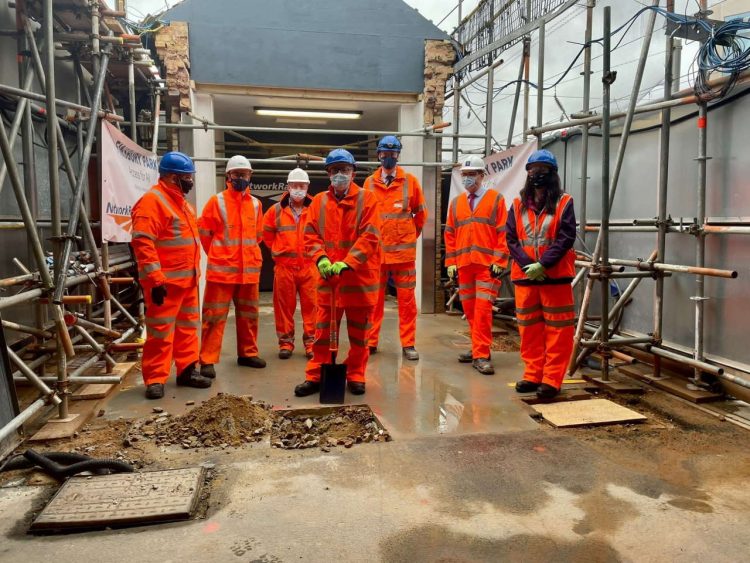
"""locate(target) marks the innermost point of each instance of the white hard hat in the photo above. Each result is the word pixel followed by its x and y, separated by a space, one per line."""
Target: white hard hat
pixel 472 163
pixel 298 175
pixel 238 162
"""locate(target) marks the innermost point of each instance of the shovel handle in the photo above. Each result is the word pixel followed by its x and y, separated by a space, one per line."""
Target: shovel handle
pixel 333 338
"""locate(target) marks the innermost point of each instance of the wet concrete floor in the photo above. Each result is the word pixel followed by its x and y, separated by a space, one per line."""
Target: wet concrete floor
pixel 469 477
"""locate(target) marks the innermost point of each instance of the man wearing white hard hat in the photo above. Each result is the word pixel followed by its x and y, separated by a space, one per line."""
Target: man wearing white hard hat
pixel 231 228
pixel 476 252
pixel 293 272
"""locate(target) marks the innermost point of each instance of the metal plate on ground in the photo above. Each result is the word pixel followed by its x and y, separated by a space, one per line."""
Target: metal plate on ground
pixel 123 499
pixel 586 413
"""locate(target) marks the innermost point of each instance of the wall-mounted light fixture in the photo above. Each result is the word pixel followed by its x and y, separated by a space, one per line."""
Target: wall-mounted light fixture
pixel 310 113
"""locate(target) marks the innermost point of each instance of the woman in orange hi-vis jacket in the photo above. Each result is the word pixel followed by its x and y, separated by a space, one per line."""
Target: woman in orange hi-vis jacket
pixel 231 228
pixel 166 247
pixel 293 272
pixel 541 231
pixel 476 251
pixel 342 236
pixel 403 213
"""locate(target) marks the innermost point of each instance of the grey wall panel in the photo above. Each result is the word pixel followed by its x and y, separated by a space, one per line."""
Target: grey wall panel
pixel 375 45
pixel 728 195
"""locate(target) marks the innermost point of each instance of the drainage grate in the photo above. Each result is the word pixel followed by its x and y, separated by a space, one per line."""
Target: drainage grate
pixel 123 499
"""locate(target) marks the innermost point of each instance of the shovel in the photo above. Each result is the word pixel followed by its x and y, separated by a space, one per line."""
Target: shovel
pixel 333 375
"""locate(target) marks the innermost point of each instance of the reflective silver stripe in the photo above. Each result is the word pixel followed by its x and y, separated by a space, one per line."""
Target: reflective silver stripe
pixel 475 248
pixel 405 194
pixel 401 215
pixel 153 321
pixel 322 218
pixel 466 296
pixel 180 274
pixel 141 234
pixel 154 333
pixel 250 270
pixel 395 247
pixel 246 314
pixel 422 207
pixel 486 285
pixel 190 310
pixel 528 310
pixel 216 318
pixel 406 285
pixel 346 244
pixel 322 325
pixel 204 232
pixel 223 269
pixel 176 231
pixel 449 229
pixel 359 255
pixel 151 267
pixel 177 241
pixel 465 286
pixel 500 254
pixel 188 323
pixel 481 220
pixel 278 210
pixel 287 228
pixel 285 255
pixel 360 207
pixel 450 254
pixel 359 288
pixel 529 322
pixel 247 302
pixel 224 216
pixel 225 242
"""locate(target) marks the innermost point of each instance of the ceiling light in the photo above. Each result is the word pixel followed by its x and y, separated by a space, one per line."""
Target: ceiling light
pixel 303 121
pixel 321 114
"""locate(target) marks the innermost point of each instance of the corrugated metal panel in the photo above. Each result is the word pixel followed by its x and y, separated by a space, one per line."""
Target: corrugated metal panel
pixel 374 45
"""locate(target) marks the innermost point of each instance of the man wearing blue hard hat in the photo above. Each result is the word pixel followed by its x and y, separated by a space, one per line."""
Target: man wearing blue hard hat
pixel 167 249
pixel 541 231
pixel 403 214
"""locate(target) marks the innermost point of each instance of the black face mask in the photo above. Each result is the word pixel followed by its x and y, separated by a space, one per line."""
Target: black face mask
pixel 389 162
pixel 541 179
pixel 186 184
pixel 240 184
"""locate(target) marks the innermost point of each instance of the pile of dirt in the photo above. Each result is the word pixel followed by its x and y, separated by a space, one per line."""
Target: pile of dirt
pixel 343 426
pixel 502 341
pixel 221 421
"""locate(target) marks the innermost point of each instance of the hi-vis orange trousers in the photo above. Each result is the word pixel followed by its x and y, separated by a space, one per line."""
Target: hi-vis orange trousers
pixel 215 310
pixel 357 327
pixel 288 281
pixel 171 333
pixel 546 321
pixel 477 290
pixel 405 277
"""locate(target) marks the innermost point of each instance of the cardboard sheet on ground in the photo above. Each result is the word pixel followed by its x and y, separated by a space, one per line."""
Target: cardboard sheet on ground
pixel 586 413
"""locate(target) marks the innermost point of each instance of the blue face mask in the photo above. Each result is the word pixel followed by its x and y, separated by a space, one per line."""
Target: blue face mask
pixel 389 162
pixel 240 184
pixel 468 181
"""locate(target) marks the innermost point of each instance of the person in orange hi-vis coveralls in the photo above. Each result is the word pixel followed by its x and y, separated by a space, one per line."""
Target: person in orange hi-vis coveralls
pixel 342 236
pixel 541 232
pixel 167 250
pixel 403 213
pixel 231 228
pixel 293 271
pixel 476 250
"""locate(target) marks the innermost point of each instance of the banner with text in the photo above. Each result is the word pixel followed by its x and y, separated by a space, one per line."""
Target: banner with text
pixel 128 171
pixel 505 172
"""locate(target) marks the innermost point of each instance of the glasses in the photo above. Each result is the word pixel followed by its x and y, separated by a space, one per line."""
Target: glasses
pixel 340 169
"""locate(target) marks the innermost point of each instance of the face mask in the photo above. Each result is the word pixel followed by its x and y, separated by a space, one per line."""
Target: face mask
pixel 468 181
pixel 240 184
pixel 388 162
pixel 340 181
pixel 297 195
pixel 540 180
pixel 186 184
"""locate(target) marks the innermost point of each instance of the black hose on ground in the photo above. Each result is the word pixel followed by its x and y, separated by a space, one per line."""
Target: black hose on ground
pixel 60 472
pixel 66 458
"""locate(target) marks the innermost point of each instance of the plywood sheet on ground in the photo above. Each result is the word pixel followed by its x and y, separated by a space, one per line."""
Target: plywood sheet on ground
pixel 587 413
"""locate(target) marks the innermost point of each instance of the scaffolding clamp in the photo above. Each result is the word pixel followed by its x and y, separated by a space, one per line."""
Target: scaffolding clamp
pixel 609 77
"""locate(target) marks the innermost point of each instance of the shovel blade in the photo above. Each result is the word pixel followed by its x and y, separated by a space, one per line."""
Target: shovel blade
pixel 332 384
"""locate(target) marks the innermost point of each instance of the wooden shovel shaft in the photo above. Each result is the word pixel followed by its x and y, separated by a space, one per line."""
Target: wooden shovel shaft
pixel 333 338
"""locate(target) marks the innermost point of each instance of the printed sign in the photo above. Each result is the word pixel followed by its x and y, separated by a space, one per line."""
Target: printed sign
pixel 505 172
pixel 128 171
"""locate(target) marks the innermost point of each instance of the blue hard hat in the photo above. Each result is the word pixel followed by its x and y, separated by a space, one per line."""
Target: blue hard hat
pixel 543 156
pixel 337 156
pixel 389 143
pixel 176 162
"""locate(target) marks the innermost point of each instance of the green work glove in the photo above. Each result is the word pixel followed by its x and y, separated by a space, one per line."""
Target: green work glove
pixel 339 267
pixel 535 271
pixel 496 269
pixel 324 267
pixel 452 271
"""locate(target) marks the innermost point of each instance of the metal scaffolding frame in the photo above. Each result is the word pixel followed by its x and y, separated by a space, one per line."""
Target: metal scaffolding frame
pixel 601 267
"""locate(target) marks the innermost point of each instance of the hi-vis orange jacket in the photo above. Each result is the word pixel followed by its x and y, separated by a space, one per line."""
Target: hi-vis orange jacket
pixel 285 236
pixel 347 230
pixel 165 238
pixel 476 237
pixel 231 228
pixel 403 213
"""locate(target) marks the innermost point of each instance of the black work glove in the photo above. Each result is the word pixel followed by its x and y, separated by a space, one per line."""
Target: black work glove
pixel 158 294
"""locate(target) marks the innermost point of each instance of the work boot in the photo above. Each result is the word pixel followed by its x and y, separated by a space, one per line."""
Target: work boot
pixel 189 377
pixel 356 387
pixel 373 349
pixel 306 388
pixel 155 391
pixel 465 357
pixel 410 353
pixel 483 366
pixel 285 354
pixel 251 361
pixel 526 386
pixel 207 370
pixel 546 392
